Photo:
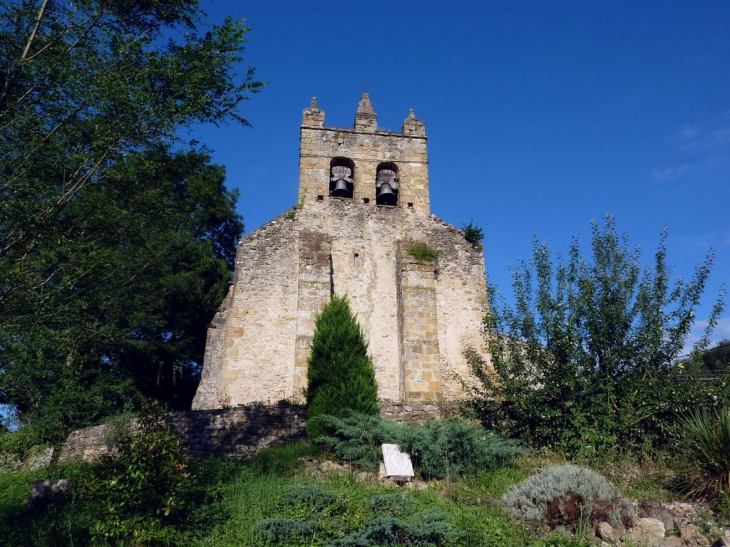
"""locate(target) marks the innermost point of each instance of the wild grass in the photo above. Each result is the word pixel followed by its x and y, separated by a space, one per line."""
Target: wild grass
pixel 422 251
pixel 56 524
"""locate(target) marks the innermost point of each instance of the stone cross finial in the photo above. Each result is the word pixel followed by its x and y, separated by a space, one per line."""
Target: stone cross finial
pixel 366 119
pixel 412 126
pixel 313 116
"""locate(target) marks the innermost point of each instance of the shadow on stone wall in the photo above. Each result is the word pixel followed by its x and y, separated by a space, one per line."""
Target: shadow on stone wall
pixel 237 432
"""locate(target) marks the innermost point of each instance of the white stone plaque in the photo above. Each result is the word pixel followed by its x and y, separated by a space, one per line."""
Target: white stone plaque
pixel 397 463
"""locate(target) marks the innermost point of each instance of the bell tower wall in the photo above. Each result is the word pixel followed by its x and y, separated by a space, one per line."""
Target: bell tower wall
pixel 368 148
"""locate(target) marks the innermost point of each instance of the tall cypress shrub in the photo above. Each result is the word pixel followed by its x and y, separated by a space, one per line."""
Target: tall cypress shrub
pixel 341 376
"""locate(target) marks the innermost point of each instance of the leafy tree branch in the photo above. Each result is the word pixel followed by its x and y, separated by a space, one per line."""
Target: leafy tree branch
pixel 116 240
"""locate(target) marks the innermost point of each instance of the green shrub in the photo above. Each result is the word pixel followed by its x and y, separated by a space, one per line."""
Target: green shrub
pixel 707 441
pixel 425 530
pixel 142 486
pixel 393 504
pixel 340 373
pixel 356 438
pixel 19 442
pixel 451 448
pixel 304 510
pixel 438 448
pixel 422 251
pixel 568 496
pixel 307 499
pixel 473 234
pixel 308 514
pixel 290 532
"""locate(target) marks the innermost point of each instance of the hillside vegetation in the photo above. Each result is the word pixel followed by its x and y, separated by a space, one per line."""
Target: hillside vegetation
pixel 472 488
pixel 277 499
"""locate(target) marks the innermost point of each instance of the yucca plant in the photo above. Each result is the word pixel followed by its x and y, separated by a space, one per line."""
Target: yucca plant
pixel 707 440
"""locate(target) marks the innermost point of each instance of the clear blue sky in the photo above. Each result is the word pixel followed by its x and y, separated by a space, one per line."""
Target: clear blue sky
pixel 541 116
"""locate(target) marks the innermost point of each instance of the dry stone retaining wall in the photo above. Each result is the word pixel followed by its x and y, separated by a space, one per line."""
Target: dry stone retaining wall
pixel 236 432
pixel 87 445
pixel 239 432
pixel 37 457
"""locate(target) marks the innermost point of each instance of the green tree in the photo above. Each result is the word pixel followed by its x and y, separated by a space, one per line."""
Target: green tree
pixel 132 320
pixel 116 242
pixel 717 358
pixel 586 359
pixel 340 373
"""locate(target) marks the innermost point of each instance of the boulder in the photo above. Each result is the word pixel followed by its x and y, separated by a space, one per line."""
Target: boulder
pixel 647 532
pixel 43 492
pixel 658 511
pixel 59 489
pixel 607 532
pixel 692 535
pixel 40 494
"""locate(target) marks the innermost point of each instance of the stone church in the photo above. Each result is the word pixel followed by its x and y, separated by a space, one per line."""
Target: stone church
pixel 363 204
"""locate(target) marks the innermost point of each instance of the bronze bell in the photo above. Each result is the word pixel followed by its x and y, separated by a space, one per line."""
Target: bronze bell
pixel 341 189
pixel 386 195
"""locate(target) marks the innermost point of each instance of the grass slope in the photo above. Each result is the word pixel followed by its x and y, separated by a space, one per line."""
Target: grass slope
pixel 272 499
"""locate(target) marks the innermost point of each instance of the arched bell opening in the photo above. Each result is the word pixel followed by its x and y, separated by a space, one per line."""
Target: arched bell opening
pixel 386 184
pixel 342 171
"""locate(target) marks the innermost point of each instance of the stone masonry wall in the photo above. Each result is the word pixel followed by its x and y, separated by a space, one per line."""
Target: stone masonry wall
pixel 461 302
pixel 236 432
pixel 320 146
pixel 253 360
pixel 267 355
pixel 314 291
pixel 417 317
pixel 208 389
pixel 415 413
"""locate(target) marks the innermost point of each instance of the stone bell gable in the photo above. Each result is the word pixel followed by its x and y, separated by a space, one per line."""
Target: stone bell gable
pixel 363 202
